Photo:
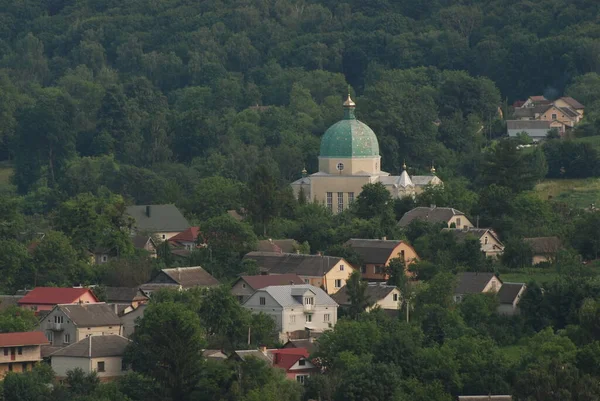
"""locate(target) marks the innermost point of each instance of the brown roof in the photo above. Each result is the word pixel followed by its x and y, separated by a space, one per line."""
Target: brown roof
pixel 22 338
pixel 463 233
pixel 472 283
pixel 544 245
pixel 91 315
pixel 509 292
pixel 262 281
pixel 95 347
pixel 278 245
pixel 189 277
pixel 374 292
pixel 302 265
pixel 530 112
pixel 140 241
pixel 539 98
pixel 124 294
pixel 373 251
pixel 429 214
pixel 572 102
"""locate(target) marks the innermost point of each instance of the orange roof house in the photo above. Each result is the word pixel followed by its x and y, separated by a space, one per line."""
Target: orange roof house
pixel 46 298
pixel 20 351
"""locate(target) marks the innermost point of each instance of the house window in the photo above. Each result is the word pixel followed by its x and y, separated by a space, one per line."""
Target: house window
pixel 340 202
pixel 5 351
pixel 24 366
pixel 301 378
pixel 240 298
pixel 458 222
pixel 164 236
pixel 363 269
pixel 67 338
pixel 395 296
pixel 326 317
pixel 20 350
pixel 341 267
pixel 243 285
pixel 554 116
pixel 402 256
pixel 330 201
pixel 486 240
pixel 292 319
pixel 302 362
pixel 309 301
pixel 104 258
pixel 378 269
pixel 100 367
pixel 263 301
pixel 59 319
pixel 50 336
pixel 340 166
pixel 306 281
pixel 350 197
pixel 338 283
pixel 308 318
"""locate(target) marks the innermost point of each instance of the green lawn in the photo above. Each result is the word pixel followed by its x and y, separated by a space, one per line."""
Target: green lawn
pixel 593 140
pixel 528 274
pixel 577 193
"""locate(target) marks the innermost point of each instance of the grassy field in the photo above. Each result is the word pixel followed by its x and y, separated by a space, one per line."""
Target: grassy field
pixel 593 140
pixel 575 192
pixel 526 275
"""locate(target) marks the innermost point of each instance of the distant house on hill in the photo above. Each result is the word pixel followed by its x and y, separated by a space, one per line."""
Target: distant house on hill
pixel 163 221
pixel 379 295
pixel 180 278
pixel 509 296
pixel 188 239
pixel 278 245
pixel 491 245
pixel 245 286
pixel 475 283
pixel 22 351
pixel 449 216
pixel 376 254
pixel 544 249
pixel 146 243
pixel 45 298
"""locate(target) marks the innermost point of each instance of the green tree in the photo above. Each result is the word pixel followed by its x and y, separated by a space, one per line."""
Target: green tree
pixel 262 196
pixel 55 261
pixel 517 253
pixel 167 346
pixel 374 200
pixel 357 294
pixel 15 319
pixel 13 261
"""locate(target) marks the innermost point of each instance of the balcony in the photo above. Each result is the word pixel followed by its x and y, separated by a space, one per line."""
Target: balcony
pixel 56 327
pixel 308 308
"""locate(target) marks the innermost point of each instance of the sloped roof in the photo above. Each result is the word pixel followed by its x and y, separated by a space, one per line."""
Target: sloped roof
pixel 189 277
pixel 282 294
pixel 302 265
pixel 528 124
pixel 160 218
pixel 530 112
pixel 286 361
pixel 54 296
pixel 189 235
pixel 262 281
pixel 569 112
pixel 140 241
pixel 544 245
pixel 23 338
pixel 253 353
pixel 91 315
pixel 307 344
pixel 472 283
pixel 572 102
pixel 278 245
pixel 375 292
pixel 95 347
pixel 124 294
pixel 429 214
pixel 422 180
pixel 461 233
pixel 538 98
pixel 374 251
pixel 509 292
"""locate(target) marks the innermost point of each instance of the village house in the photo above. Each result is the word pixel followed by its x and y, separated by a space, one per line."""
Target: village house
pixel 247 285
pixel 20 351
pixel 543 249
pixel 162 221
pixel 100 255
pixel 509 296
pixel 307 343
pixel 447 215
pixel 376 254
pixel 125 296
pixel 296 309
pixel 537 130
pixel 475 283
pixel 295 363
pixel 379 295
pixel 70 323
pixel 146 243
pixel 491 246
pixel 187 239
pixel 100 354
pixel 180 278
pixel 327 272
pixel 46 298
pixel 278 245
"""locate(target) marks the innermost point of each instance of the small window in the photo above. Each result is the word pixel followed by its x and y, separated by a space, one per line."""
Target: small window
pixel 20 350
pixel 363 269
pixel 341 267
pixel 402 256
pixel 164 236
pixel 306 281
pixel 302 362
pixel 263 301
pixel 243 285
pixel 309 301
pixel 338 283
pixel 326 317
pixel 240 298
pixel 5 351
pixel 458 222
pixel 301 378
pixel 100 367
pixel 67 338
pixel 104 258
pixel 350 197
pixel 554 116
pixel 308 318
pixel 486 240
pixel 395 297
pixel 340 166
pixel 292 319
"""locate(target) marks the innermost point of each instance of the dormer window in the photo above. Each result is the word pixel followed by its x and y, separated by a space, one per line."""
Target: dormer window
pixel 309 301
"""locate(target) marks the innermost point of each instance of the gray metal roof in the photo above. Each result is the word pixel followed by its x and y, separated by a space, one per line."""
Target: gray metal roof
pixel 429 214
pixel 95 347
pixel 123 294
pixel 375 292
pixel 189 277
pixel 282 294
pixel 157 218
pixel 302 265
pixel 509 292
pixel 472 283
pixel 91 315
pixel 278 245
pixel 572 102
pixel 528 124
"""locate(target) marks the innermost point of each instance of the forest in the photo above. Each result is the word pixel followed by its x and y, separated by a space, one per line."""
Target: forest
pixel 219 105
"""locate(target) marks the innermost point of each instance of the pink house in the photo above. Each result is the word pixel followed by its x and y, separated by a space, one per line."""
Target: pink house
pixel 295 362
pixel 46 298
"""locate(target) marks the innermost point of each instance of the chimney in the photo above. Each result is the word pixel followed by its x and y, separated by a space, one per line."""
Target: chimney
pixel 384 238
pixel 148 210
pixel 116 309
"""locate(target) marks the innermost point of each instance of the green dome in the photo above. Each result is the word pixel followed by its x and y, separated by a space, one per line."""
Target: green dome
pixel 349 137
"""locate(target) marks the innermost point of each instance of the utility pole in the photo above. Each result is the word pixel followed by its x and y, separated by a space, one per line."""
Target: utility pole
pixel 249 329
pixel 407 309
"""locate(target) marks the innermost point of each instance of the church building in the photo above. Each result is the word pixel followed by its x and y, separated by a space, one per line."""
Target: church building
pixel 349 158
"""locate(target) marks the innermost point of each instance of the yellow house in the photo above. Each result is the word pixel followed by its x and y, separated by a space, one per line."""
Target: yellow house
pixel 565 115
pixel 569 102
pixel 19 352
pixel 490 243
pixel 349 159
pixel 327 272
pixel 376 254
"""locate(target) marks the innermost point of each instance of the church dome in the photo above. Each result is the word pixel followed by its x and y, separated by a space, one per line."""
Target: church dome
pixel 349 137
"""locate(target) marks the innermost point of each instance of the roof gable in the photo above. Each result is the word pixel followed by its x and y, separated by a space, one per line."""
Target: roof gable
pixel 54 296
pixel 91 315
pixel 375 292
pixel 289 295
pixel 189 235
pixel 302 265
pixel 189 277
pixel 509 292
pixel 374 251
pixel 472 283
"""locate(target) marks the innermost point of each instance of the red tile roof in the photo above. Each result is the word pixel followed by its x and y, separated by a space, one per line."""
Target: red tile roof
pixel 285 358
pixel 262 281
pixel 23 338
pixel 54 296
pixel 189 235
